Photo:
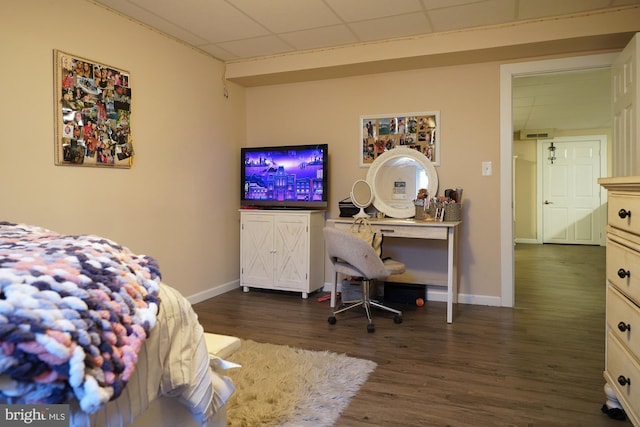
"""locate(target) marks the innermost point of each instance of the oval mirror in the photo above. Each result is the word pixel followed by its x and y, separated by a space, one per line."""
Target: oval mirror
pixel 361 196
pixel 395 178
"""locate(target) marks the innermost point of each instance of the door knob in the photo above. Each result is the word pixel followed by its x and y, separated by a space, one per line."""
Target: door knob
pixel 546 202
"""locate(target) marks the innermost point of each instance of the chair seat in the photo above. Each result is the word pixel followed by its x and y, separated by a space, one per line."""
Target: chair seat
pixel 353 256
pixel 394 267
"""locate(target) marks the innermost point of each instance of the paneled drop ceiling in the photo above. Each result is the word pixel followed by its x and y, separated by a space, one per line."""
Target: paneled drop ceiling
pixel 576 100
pixel 236 30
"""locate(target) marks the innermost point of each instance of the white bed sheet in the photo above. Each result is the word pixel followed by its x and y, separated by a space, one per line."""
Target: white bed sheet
pixel 173 368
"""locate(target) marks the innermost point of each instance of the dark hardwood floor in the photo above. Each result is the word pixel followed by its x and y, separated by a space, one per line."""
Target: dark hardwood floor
pixel 538 364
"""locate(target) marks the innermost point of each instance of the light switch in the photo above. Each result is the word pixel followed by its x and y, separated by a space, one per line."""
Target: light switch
pixel 486 169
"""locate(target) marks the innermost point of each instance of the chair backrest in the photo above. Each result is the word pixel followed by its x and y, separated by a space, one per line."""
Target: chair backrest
pixel 344 246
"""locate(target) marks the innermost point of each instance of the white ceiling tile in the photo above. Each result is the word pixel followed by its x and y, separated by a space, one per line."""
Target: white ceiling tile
pixel 126 7
pixel 173 30
pixel 153 20
pixel 489 12
pixel 437 4
pixel 523 101
pixel 520 117
pixel 529 9
pixel 213 20
pixel 336 35
pixel 259 46
pixel 545 100
pixel 218 52
pixel 359 10
pixel 392 27
pixel 282 16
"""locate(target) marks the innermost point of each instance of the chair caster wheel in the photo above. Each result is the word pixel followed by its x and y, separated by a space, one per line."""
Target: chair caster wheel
pixel 397 319
pixel 371 328
pixel 332 320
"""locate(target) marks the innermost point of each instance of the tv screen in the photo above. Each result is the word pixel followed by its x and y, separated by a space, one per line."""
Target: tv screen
pixel 293 176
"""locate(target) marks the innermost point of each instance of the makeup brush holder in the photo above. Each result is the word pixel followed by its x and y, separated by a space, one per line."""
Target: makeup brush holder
pixel 453 212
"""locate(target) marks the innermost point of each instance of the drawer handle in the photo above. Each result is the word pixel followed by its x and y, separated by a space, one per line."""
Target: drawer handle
pixel 622 380
pixel 622 273
pixel 623 213
pixel 387 230
pixel 624 327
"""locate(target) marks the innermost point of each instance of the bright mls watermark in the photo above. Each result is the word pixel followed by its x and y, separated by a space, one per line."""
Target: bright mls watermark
pixel 34 415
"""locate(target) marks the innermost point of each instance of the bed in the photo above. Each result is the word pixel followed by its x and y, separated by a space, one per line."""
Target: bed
pixel 85 322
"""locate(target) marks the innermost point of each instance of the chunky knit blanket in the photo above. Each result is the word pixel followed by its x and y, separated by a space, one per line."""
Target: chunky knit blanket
pixel 74 313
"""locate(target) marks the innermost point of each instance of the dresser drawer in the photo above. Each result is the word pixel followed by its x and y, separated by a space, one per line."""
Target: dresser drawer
pixel 622 367
pixel 619 207
pixel 623 318
pixel 623 269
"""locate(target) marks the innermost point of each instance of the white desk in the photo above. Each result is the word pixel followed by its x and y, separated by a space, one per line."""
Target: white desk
pixel 413 229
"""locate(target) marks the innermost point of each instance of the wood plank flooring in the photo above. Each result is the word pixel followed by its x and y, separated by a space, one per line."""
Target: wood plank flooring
pixel 538 364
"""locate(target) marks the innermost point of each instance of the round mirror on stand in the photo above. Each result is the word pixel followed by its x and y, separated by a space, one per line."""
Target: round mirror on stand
pixel 361 196
pixel 395 178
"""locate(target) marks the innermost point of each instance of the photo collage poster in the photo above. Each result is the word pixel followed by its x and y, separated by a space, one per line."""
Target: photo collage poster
pixel 93 113
pixel 419 131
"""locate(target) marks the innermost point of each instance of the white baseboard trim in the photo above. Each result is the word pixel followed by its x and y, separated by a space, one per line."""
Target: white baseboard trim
pixel 213 292
pixel 433 294
pixel 440 294
pixel 528 241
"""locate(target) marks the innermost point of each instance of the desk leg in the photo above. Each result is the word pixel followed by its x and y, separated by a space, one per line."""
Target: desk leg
pixel 334 290
pixel 452 273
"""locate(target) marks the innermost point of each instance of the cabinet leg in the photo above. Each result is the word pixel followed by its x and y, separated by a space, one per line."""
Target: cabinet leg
pixel 305 295
pixel 245 289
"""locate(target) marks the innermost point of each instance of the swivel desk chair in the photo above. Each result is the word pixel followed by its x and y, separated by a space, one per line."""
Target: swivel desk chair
pixel 352 256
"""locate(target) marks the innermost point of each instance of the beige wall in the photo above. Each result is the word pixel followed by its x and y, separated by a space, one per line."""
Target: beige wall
pixel 468 96
pixel 525 178
pixel 179 201
pixel 468 100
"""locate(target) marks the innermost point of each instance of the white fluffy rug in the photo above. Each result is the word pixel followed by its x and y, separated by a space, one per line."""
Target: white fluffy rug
pixel 285 386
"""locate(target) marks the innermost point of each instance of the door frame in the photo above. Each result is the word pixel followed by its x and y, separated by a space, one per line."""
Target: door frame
pixel 507 73
pixel 541 157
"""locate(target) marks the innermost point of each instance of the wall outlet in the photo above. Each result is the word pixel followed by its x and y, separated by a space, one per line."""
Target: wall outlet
pixel 486 169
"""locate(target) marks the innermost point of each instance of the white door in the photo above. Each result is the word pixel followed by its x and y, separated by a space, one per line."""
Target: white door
pixel 256 250
pixel 570 191
pixel 625 73
pixel 291 243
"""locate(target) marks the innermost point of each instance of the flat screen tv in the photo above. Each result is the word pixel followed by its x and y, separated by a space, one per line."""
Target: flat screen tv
pixel 292 176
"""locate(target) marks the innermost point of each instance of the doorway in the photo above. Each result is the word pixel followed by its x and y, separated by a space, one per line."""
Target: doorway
pixel 507 73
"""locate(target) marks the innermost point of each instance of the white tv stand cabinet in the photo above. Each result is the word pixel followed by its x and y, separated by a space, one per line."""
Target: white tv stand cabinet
pixel 282 250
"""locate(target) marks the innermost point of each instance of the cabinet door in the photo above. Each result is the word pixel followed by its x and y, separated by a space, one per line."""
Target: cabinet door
pixel 292 251
pixel 257 250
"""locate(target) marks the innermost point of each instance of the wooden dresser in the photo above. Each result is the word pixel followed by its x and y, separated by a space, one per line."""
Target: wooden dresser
pixel 622 360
